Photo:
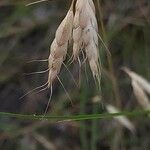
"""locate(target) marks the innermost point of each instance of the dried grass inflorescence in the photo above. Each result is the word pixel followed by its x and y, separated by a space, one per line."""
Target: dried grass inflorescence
pixel 121 119
pixel 81 26
pixel 141 87
pixel 85 35
pixel 58 49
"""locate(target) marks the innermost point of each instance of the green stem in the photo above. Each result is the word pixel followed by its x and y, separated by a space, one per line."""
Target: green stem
pixel 83 126
pixel 95 129
pixel 75 117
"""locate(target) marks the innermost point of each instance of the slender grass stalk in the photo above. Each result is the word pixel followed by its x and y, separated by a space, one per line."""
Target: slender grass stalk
pixel 136 113
pixel 83 126
pixel 109 59
pixel 112 75
pixel 146 32
pixel 95 129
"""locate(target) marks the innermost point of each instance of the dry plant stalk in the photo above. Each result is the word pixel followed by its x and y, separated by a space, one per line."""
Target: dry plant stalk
pixel 140 87
pixel 121 119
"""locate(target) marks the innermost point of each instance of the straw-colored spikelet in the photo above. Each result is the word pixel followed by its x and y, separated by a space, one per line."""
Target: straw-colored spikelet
pixel 121 119
pixel 81 25
pixel 139 79
pixel 141 95
pixel 85 34
pixel 58 49
pixel 140 85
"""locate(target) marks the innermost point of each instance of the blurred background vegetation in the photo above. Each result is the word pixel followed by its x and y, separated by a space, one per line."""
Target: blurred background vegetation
pixel 26 34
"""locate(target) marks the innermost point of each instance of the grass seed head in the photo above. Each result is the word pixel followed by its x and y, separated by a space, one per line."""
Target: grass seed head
pixel 85 34
pixel 92 5
pixel 84 25
pixel 63 31
pixel 139 79
pixel 58 49
pixel 140 95
pixel 121 119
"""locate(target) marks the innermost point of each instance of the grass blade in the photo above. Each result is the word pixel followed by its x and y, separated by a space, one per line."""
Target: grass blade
pixel 135 113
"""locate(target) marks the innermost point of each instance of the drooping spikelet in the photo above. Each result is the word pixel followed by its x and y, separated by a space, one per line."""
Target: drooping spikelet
pixel 85 34
pixel 141 87
pixel 121 119
pixel 141 95
pixel 59 46
pixel 81 24
pixel 139 79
